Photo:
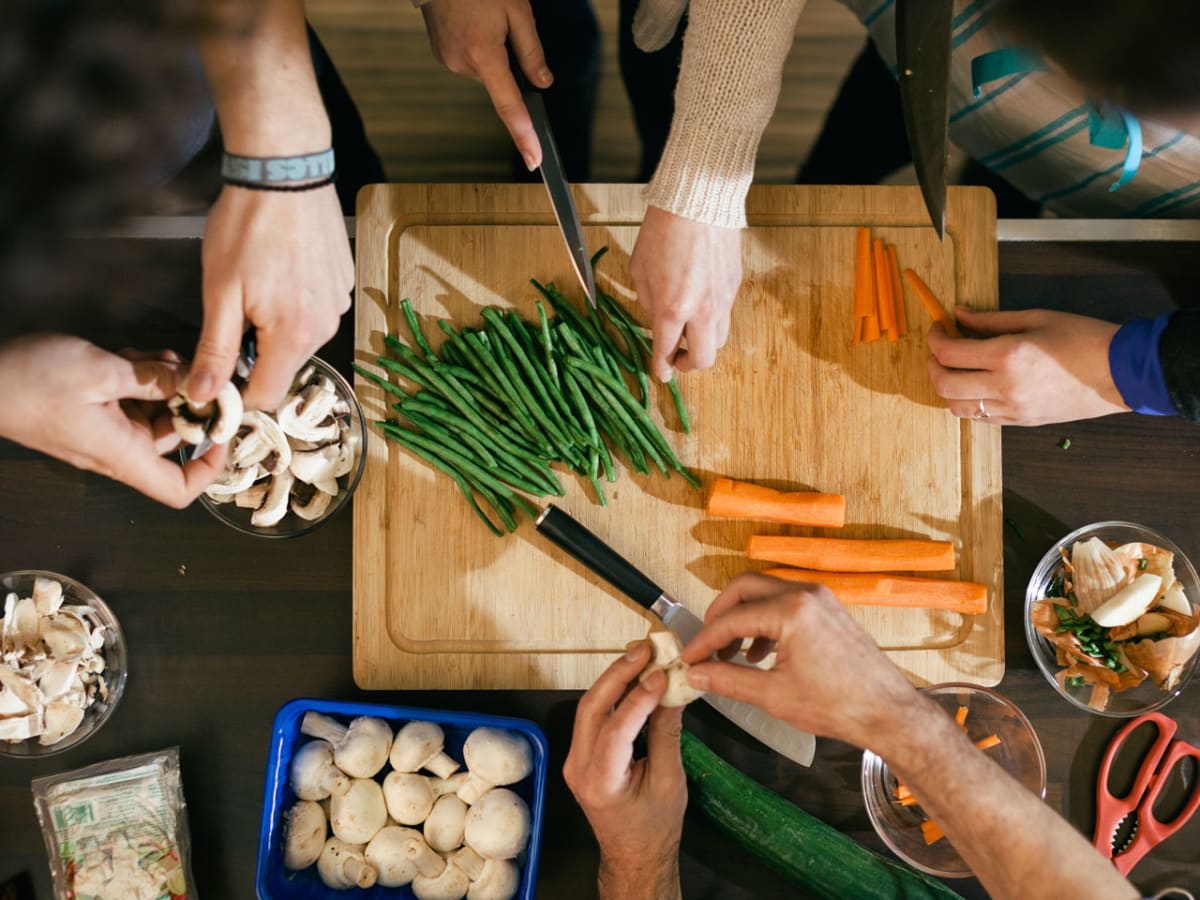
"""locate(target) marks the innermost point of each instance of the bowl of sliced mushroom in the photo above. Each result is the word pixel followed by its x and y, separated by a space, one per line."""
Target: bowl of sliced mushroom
pixel 62 663
pixel 290 470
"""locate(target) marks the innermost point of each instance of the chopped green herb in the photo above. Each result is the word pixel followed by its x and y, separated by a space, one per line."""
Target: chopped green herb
pixel 1073 599
pixel 1056 585
pixel 1075 681
pixel 1065 444
pixel 1142 563
pixel 1013 525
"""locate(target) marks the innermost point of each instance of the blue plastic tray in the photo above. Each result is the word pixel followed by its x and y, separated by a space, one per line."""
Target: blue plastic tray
pixel 274 882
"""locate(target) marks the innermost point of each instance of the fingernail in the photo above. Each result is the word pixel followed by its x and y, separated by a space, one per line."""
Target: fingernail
pixel 530 164
pixel 652 682
pixel 635 652
pixel 544 77
pixel 200 383
pixel 699 679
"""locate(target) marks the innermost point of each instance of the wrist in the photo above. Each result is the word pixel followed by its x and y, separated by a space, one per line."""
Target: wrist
pixel 639 879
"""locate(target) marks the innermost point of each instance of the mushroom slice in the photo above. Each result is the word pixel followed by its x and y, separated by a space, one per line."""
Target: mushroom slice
pixel 62 718
pixel 275 506
pixel 347 454
pixel 66 637
pixel 217 420
pixel 230 482
pixel 25 623
pixel 313 506
pixel 262 442
pixel 304 415
pixel 47 595
pixel 20 728
pixel 253 496
pixel 316 466
pixel 58 678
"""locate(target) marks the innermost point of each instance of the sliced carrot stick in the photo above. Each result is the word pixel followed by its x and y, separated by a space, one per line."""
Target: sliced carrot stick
pixel 883 291
pixel 743 500
pixel 990 741
pixel 910 800
pixel 897 291
pixel 848 555
pixel 862 274
pixel 866 589
pixel 931 832
pixel 932 304
pixel 902 792
pixel 960 716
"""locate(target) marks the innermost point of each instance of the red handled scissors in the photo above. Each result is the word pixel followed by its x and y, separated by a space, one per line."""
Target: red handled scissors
pixel 1148 831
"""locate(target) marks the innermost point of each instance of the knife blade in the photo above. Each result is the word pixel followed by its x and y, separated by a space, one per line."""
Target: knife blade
pixel 923 34
pixel 241 374
pixel 562 529
pixel 555 178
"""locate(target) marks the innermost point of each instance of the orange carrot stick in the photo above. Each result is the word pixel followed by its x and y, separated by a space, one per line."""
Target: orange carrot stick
pixel 986 743
pixel 743 500
pixel 867 589
pixel 848 555
pixel 883 291
pixel 897 291
pixel 862 274
pixel 932 304
pixel 961 716
pixel 931 832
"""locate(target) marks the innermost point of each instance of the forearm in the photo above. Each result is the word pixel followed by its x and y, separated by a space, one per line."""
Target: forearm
pixel 1014 843
pixel 654 880
pixel 263 84
pixel 733 55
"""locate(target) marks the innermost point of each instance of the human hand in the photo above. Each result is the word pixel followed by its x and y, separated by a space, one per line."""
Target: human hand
pixel 100 411
pixel 829 677
pixel 687 275
pixel 1031 367
pixel 278 261
pixel 471 38
pixel 635 807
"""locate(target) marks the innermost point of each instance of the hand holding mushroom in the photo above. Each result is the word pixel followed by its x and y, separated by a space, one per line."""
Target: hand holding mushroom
pixel 635 807
pixel 100 411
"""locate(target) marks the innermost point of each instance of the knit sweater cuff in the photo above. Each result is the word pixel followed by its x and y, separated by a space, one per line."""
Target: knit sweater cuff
pixel 702 178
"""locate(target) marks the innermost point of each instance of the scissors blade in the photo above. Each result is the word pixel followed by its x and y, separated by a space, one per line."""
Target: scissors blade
pixel 555 178
pixel 923 32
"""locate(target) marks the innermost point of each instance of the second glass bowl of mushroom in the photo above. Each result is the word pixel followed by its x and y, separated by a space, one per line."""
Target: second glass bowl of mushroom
pixel 291 470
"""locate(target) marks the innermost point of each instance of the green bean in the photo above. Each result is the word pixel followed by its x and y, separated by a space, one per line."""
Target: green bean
pixel 517 408
pixel 415 327
pixel 547 343
pixel 382 382
pixel 436 431
pixel 593 475
pixel 571 383
pixel 499 483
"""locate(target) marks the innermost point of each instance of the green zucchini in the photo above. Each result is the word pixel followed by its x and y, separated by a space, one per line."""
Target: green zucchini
pixel 819 859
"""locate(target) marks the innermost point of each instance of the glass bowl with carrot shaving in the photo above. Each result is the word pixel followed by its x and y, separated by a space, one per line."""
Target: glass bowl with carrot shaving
pixel 1112 619
pixel 999 729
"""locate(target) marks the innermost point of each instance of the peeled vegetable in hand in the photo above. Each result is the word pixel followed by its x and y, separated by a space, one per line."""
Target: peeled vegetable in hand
pixel 666 647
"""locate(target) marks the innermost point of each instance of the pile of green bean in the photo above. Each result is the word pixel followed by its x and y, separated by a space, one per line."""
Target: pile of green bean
pixel 497 404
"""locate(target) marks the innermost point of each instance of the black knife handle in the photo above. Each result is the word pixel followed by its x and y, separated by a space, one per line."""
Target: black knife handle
pixel 602 559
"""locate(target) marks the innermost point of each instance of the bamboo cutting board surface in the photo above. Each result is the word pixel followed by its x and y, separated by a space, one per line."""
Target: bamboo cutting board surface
pixel 440 603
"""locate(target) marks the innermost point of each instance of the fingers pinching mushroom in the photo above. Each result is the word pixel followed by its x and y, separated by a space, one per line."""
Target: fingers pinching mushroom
pixel 494 757
pixel 218 420
pixel 666 659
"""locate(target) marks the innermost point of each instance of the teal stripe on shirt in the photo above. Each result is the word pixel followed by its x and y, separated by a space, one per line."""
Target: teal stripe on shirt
pixel 987 98
pixel 1111 170
pixel 969 32
pixel 1049 142
pixel 1058 123
pixel 877 12
pixel 967 12
pixel 1178 204
pixel 1148 207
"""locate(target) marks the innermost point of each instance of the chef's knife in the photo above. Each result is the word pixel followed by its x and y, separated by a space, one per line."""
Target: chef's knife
pixel 559 189
pixel 580 543
pixel 923 32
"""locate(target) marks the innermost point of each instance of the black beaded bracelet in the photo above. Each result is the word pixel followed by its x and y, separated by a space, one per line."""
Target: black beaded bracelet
pixel 291 188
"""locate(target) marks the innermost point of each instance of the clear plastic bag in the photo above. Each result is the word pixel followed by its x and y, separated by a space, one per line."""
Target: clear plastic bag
pixel 117 830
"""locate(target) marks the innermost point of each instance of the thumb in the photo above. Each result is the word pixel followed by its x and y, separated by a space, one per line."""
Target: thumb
pixel 731 680
pixel 217 350
pixel 995 322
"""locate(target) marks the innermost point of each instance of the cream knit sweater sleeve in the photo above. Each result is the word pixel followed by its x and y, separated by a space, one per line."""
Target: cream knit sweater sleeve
pixel 733 55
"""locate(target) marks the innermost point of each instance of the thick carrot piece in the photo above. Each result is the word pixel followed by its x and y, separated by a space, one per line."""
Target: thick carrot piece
pixel 932 304
pixel 865 589
pixel 960 716
pixel 862 274
pixel 931 832
pixel 849 555
pixel 897 291
pixel 743 500
pixel 883 291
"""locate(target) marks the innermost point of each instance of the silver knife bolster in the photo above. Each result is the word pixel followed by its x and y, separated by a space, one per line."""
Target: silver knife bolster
pixel 663 606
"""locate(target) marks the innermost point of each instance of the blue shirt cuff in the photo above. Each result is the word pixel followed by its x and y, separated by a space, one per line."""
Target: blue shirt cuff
pixel 1136 369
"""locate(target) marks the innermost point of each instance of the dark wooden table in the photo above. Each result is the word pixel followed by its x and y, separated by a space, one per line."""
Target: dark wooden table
pixel 223 629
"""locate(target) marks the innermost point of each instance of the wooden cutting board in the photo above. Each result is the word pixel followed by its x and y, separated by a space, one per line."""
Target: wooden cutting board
pixel 441 603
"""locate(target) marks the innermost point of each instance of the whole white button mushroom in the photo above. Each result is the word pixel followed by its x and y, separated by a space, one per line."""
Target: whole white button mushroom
pixel 445 824
pixel 667 649
pixel 451 884
pixel 389 853
pixel 357 815
pixel 313 773
pixel 499 880
pixel 304 835
pixel 498 825
pixel 495 757
pixel 359 749
pixel 409 797
pixel 418 745
pixel 341 865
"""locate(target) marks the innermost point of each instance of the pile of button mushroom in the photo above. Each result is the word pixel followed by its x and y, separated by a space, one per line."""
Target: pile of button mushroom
pixel 51 664
pixel 295 458
pixel 471 827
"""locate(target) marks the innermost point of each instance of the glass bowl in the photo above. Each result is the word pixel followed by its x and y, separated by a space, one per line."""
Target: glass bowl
pixel 1147 696
pixel 292 525
pixel 1019 753
pixel 115 665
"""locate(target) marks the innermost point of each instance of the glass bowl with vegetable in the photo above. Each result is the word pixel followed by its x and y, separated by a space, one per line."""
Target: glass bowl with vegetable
pixel 62 663
pixel 1111 618
pixel 291 470
pixel 998 728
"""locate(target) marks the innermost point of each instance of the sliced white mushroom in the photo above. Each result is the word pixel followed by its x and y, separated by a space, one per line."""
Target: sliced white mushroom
pixel 261 442
pixel 253 496
pixel 47 595
pixel 307 415
pixel 275 506
pixel 57 678
pixel 21 728
pixel 314 506
pixel 218 420
pixel 61 719
pixel 229 483
pixel 65 636
pixel 23 688
pixel 26 626
pixel 316 466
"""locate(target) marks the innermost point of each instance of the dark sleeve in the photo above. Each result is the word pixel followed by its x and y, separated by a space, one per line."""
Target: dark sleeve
pixel 1179 354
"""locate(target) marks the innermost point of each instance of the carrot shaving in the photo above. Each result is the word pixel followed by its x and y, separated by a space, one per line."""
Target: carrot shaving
pixel 743 500
pixel 932 304
pixel 988 742
pixel 931 832
pixel 848 555
pixel 910 800
pixel 897 291
pixel 883 291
